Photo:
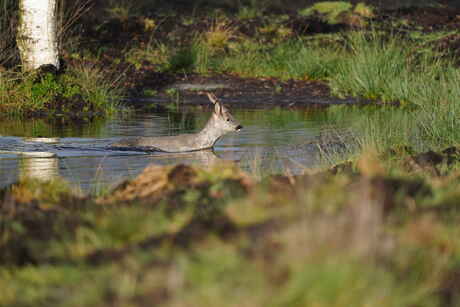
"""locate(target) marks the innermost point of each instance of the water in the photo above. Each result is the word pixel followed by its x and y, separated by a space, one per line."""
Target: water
pixel 272 141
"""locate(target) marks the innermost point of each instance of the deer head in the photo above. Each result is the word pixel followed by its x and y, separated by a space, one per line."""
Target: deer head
pixel 222 116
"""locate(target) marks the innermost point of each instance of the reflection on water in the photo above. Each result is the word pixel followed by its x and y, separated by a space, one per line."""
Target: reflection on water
pixel 272 141
pixel 44 168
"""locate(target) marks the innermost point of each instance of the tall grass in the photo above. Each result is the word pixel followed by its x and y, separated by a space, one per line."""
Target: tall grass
pixel 382 67
pixel 428 89
pixel 289 60
pixel 389 68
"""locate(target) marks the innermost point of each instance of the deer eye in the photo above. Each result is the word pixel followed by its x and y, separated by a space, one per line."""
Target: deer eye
pixel 228 119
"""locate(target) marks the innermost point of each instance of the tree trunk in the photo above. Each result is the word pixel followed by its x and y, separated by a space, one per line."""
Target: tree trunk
pixel 36 36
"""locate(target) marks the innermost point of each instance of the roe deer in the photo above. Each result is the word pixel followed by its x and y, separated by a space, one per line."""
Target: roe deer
pixel 220 123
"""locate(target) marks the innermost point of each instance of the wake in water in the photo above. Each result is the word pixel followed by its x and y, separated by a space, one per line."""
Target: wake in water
pixel 51 147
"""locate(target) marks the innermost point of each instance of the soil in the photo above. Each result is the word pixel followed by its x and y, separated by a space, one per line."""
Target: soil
pixel 237 91
pixel 428 18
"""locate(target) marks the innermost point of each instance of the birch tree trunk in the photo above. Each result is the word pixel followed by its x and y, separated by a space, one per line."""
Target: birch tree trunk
pixel 36 35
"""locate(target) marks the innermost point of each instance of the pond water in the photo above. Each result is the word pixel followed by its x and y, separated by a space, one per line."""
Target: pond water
pixel 272 141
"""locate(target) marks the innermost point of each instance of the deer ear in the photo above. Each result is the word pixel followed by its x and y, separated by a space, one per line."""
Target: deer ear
pixel 217 108
pixel 212 98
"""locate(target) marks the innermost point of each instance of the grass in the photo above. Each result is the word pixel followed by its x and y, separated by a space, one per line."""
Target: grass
pixel 425 86
pixel 288 60
pixel 181 236
pixel 81 91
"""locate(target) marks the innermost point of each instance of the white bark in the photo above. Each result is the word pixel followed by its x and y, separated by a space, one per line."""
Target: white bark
pixel 36 38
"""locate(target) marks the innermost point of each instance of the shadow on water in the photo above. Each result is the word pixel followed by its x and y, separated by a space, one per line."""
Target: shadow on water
pixel 272 141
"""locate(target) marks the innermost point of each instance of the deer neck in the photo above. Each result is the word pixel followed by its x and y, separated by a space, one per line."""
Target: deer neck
pixel 209 135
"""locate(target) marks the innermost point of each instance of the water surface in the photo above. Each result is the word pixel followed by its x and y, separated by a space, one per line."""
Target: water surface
pixel 272 141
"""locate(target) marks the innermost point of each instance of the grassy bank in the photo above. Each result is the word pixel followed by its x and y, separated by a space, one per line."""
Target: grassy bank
pixel 378 233
pixel 82 91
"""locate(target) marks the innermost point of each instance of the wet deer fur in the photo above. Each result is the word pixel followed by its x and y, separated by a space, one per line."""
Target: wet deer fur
pixel 220 123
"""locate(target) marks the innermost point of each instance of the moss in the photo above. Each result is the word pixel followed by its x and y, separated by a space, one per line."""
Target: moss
pixel 330 9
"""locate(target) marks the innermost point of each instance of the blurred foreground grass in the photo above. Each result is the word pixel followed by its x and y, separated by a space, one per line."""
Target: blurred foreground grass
pixel 382 231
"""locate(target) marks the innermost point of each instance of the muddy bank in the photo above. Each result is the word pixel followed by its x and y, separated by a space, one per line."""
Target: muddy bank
pixel 241 93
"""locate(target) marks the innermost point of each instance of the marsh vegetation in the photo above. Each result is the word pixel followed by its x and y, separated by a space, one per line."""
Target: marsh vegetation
pixel 376 225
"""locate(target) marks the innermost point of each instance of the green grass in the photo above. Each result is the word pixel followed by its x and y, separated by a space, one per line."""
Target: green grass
pixel 426 87
pixel 288 60
pixel 81 91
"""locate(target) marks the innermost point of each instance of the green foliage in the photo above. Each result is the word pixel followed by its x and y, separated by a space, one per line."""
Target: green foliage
pixel 44 90
pixel 331 9
pixel 183 60
pixel 81 89
pixel 195 58
pixel 381 67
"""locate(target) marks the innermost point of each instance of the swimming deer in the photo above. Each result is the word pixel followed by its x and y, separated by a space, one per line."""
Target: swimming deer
pixel 220 123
